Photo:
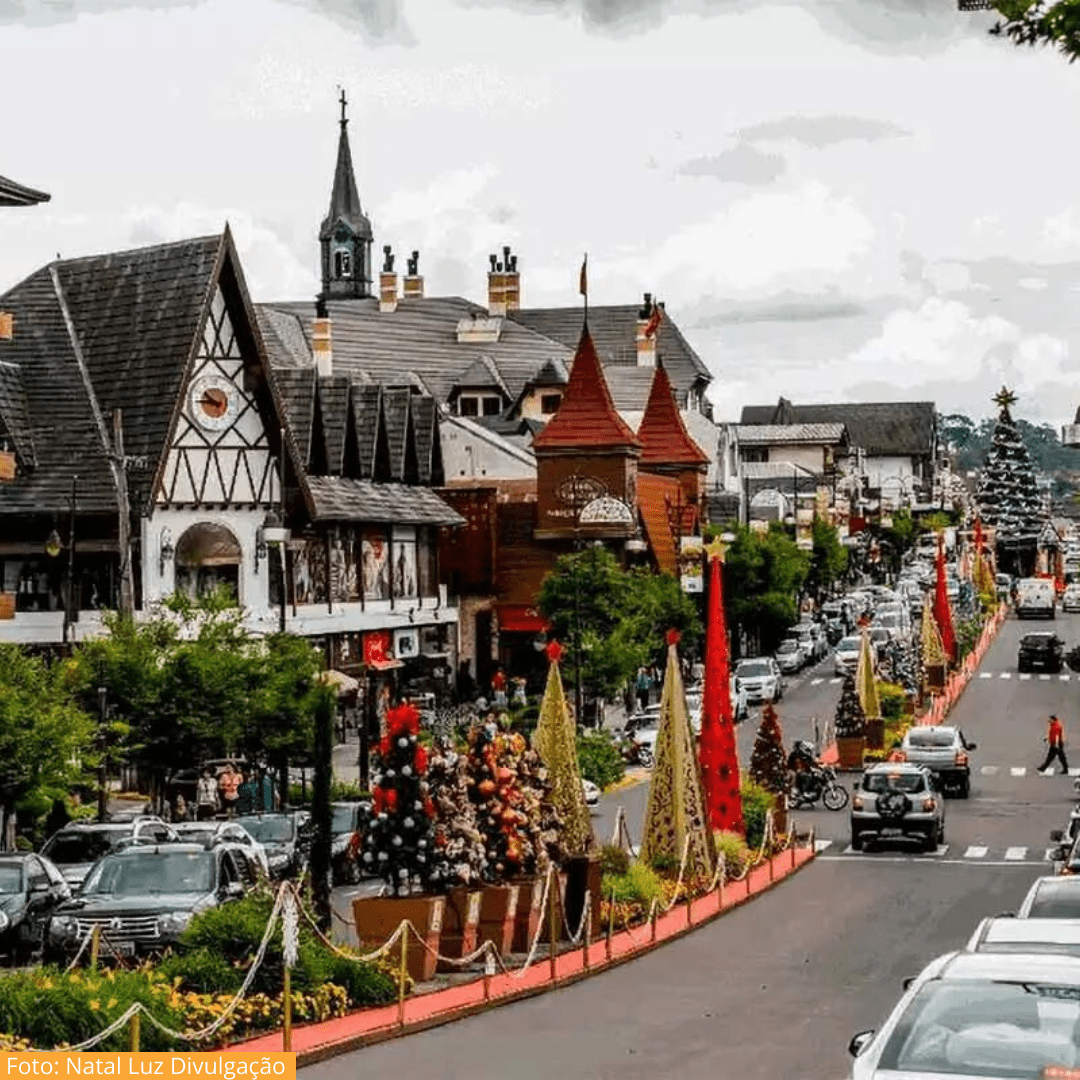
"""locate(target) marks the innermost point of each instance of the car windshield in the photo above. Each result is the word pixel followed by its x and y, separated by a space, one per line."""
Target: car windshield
pixel 879 782
pixel 849 644
pixel 1071 948
pixel 197 834
pixel 152 872
pixel 995 1029
pixel 10 877
pixel 788 646
pixel 271 829
pixel 1037 641
pixel 343 819
pixel 928 737
pixel 888 619
pixel 1054 901
pixel 878 633
pixel 753 668
pixel 70 849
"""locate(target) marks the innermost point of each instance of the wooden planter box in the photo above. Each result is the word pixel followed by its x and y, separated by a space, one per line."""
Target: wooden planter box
pixel 461 925
pixel 582 876
pixel 875 734
pixel 851 752
pixel 377 917
pixel 498 915
pixel 528 915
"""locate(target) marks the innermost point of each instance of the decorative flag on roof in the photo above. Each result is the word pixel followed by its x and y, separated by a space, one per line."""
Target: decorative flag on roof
pixel 942 608
pixel 555 740
pixel 676 807
pixel 717 753
pixel 583 278
pixel 655 320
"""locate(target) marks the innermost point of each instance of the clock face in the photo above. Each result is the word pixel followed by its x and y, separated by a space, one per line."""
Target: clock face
pixel 214 402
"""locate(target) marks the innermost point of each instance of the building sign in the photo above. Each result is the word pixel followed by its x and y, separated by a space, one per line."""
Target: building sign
pixel 691 564
pixel 406 643
pixel 377 648
pixel 606 511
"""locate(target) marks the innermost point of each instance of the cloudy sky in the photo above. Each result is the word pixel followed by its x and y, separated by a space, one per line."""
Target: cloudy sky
pixel 836 199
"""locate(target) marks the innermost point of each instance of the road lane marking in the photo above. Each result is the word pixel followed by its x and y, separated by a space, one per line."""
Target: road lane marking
pixel 1005 675
pixel 1018 772
pixel 975 852
pixel 821 845
pixel 836 682
pixel 1063 678
pixel 1074 771
pixel 1044 678
pixel 937 862
pixel 989 770
pixel 986 674
pixel 1022 678
pixel 1015 854
pixel 817 682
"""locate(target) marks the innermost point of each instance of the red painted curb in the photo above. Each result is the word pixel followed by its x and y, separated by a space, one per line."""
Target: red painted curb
pixel 317 1042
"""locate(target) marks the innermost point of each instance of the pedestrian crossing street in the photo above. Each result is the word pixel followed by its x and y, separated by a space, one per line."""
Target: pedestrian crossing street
pixel 1025 676
pixel 973 853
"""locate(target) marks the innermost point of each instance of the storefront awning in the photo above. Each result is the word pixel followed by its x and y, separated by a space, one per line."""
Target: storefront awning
pixel 521 619
pixel 345 684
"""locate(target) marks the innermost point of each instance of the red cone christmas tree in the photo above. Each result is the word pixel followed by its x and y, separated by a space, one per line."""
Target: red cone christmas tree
pixel 942 607
pixel 717 753
pixel 768 762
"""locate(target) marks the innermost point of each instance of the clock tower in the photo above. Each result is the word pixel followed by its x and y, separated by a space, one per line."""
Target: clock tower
pixel 345 236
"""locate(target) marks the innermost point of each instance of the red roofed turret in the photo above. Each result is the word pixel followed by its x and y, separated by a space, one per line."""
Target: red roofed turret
pixel 662 433
pixel 587 417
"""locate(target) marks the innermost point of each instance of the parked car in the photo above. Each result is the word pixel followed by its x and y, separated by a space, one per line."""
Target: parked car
pixel 1040 651
pixel 592 793
pixel 1009 935
pixel 812 638
pixel 1070 598
pixel 287 838
pixel 1051 898
pixel 77 846
pixel 846 655
pixel 978 1014
pixel 1003 586
pixel 898 626
pixel 897 800
pixel 348 823
pixel 739 706
pixel 230 834
pixel 1035 598
pixel 144 897
pixel 761 679
pixel 880 636
pixel 944 750
pixel 31 888
pixel 790 656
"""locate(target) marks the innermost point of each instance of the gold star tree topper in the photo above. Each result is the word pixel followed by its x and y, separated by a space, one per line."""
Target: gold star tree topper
pixel 1004 398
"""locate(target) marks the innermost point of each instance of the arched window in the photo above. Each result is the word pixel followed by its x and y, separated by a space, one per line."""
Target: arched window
pixel 207 556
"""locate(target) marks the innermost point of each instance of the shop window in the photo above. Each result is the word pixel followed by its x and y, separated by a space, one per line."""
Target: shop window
pixel 492 406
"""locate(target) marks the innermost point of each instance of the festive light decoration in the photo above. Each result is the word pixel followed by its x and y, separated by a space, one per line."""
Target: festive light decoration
pixel 717 751
pixel 554 652
pixel 676 807
pixel 458 853
pixel 555 740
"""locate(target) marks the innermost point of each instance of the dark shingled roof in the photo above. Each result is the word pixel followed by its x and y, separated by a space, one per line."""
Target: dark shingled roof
pixel 426 431
pixel 14 419
pixel 879 428
pixel 333 408
pixel 396 418
pixel 630 387
pixel 367 405
pixel 345 199
pixel 296 391
pixel 614 332
pixel 336 498
pixel 420 337
pixel 13 194
pixel 123 324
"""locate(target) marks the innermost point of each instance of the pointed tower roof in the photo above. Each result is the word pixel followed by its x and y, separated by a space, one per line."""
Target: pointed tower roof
pixel 587 417
pixel 663 435
pixel 345 198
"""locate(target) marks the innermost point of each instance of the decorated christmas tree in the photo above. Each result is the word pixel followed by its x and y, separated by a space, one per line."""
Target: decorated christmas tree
pixel 768 762
pixel 1007 494
pixel 458 854
pixel 399 838
pixel 850 721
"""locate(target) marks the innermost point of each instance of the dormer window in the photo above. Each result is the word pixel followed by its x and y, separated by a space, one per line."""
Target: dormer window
pixel 342 263
pixel 480 405
pixel 549 403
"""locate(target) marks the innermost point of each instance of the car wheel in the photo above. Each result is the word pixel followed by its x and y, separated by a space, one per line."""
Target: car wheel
pixel 963 790
pixel 857 842
pixel 929 843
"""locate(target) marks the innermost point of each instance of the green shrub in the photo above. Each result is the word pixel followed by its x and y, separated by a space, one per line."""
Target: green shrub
pixel 891 698
pixel 666 864
pixel 639 885
pixel 756 803
pixel 600 759
pixel 613 860
pixel 202 971
pixel 735 851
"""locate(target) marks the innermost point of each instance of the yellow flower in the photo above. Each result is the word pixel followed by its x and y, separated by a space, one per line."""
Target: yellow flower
pixel 112 1003
pixel 95 1005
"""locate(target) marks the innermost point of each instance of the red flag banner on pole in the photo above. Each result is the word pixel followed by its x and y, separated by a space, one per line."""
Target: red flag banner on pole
pixel 583 278
pixel 716 751
pixel 942 608
pixel 655 320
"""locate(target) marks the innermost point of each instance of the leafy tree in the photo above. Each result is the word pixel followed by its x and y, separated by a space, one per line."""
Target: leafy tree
pixel 1038 22
pixel 763 576
pixel 828 559
pixel 44 734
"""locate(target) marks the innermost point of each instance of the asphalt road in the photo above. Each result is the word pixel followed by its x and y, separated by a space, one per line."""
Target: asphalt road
pixel 778 987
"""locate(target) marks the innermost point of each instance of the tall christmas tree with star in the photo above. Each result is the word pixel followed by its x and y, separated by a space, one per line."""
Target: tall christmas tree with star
pixel 1007 495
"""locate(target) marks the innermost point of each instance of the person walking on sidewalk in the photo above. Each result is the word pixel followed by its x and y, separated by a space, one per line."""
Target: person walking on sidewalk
pixel 1055 742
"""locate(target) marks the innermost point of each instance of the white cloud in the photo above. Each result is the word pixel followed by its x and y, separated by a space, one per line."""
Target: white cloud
pixel 1033 284
pixel 948 276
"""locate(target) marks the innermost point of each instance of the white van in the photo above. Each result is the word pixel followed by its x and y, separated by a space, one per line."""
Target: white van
pixel 1035 598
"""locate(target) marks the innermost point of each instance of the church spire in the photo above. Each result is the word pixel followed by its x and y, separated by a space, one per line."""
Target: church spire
pixel 345 236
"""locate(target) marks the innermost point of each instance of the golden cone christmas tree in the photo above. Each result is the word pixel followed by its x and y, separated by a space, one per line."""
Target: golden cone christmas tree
pixel 933 652
pixel 555 740
pixel 676 808
pixel 865 684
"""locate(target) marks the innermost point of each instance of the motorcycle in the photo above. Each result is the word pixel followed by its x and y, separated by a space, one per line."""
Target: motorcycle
pixel 813 780
pixel 634 752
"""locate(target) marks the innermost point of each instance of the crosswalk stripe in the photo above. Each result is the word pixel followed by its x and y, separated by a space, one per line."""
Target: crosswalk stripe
pixel 822 845
pixel 976 852
pixel 1074 771
pixel 1018 772
pixel 1044 678
pixel 1022 678
pixel 989 770
pixel 986 674
pixel 836 682
pixel 1005 675
pixel 817 681
pixel 1063 678
pixel 1015 854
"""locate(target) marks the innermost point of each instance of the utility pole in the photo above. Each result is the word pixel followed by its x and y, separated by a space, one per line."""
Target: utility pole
pixel 119 469
pixel 69 598
pixel 102 736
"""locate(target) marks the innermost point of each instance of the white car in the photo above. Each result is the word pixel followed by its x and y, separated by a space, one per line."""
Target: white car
pixel 1052 898
pixel 1070 598
pixel 592 792
pixel 739 706
pixel 979 1014
pixel 761 679
pixel 227 834
pixel 1007 935
pixel 846 656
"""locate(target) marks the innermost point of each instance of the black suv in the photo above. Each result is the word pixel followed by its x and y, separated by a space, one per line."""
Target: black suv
pixel 142 898
pixel 1040 651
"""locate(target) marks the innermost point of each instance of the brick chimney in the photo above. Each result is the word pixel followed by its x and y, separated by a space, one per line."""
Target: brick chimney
pixel 646 344
pixel 7 326
pixel 414 282
pixel 496 287
pixel 320 340
pixel 388 282
pixel 511 281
